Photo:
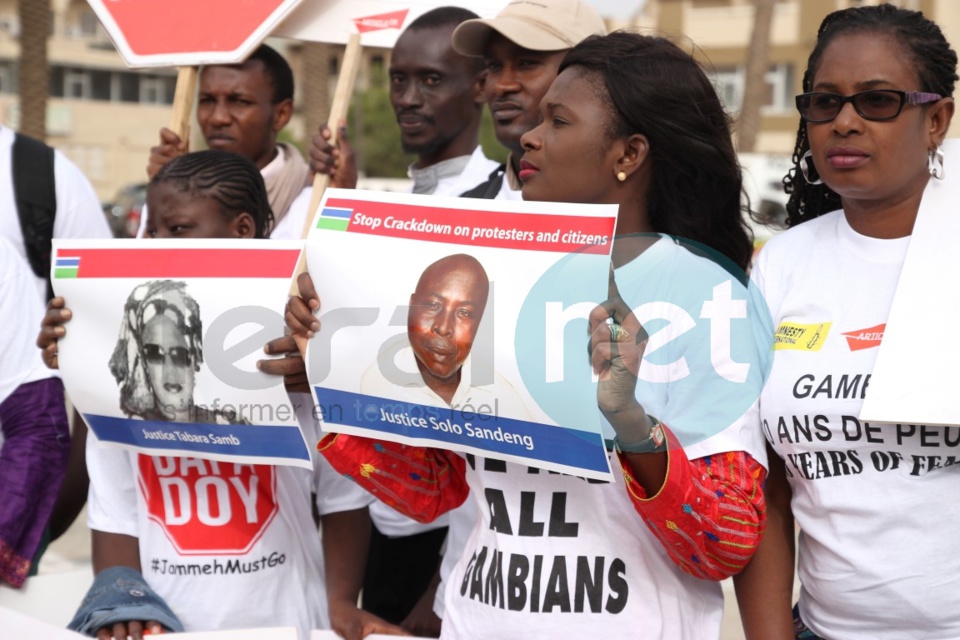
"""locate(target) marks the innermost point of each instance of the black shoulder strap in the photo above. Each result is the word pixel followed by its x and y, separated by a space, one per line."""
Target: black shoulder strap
pixel 34 189
pixel 488 190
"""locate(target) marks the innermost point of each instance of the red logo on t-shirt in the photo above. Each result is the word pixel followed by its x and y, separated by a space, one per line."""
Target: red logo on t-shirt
pixel 207 507
pixel 865 338
pixel 392 20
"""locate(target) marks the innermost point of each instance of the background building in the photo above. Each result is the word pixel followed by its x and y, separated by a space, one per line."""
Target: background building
pixel 721 31
pixel 105 117
pixel 100 114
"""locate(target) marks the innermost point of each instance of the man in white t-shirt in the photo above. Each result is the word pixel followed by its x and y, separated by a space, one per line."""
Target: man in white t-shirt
pixel 78 214
pixel 437 96
pixel 78 211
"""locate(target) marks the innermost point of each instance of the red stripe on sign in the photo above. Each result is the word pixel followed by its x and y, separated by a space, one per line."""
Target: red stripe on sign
pixel 526 231
pixel 184 263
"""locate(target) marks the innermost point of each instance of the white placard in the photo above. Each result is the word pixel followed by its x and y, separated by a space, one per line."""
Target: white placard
pixel 916 378
pixel 379 22
pixel 390 334
pixel 160 354
pixel 274 633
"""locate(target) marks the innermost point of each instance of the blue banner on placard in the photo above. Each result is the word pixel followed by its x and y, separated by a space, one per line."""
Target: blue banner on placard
pixel 253 441
pixel 521 439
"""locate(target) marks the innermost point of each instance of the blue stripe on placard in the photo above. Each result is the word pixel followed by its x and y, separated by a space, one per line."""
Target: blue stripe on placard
pixel 531 440
pixel 68 262
pixel 334 212
pixel 237 439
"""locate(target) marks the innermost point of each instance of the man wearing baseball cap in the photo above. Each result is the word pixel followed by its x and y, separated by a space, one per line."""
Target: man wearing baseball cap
pixel 523 47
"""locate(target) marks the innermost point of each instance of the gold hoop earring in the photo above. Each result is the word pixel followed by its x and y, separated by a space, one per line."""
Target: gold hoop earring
pixel 622 176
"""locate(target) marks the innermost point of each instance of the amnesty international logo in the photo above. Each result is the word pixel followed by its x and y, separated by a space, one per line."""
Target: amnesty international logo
pixel 801 337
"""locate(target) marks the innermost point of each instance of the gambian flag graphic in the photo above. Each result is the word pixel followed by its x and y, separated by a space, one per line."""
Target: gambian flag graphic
pixel 66 267
pixel 334 218
pixel 161 262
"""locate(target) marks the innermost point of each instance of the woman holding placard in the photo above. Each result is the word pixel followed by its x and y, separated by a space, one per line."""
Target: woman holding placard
pixel 631 120
pixel 877 551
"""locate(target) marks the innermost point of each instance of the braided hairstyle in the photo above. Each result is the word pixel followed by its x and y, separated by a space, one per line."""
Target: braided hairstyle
pixel 657 89
pixel 935 62
pixel 230 179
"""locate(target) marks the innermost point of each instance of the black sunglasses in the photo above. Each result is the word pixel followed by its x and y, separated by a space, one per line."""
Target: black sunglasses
pixel 155 354
pixel 875 104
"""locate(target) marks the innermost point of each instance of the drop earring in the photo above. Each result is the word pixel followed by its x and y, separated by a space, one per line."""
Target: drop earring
pixel 806 164
pixel 935 163
pixel 621 176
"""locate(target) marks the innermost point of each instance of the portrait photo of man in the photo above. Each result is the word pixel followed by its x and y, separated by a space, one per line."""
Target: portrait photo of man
pixel 158 355
pixel 445 312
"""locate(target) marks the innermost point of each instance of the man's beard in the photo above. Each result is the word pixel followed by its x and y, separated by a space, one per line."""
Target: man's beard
pixel 425 148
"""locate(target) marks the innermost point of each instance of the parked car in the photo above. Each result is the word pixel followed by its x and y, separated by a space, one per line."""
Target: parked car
pixel 763 184
pixel 123 213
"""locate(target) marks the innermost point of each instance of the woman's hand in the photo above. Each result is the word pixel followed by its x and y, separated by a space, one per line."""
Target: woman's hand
pixel 133 629
pixel 52 329
pixel 617 342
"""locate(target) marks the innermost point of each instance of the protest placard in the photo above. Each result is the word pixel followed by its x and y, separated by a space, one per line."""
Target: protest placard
pixel 169 33
pixel 915 377
pixel 160 354
pixel 429 306
pixel 17 625
pixel 379 22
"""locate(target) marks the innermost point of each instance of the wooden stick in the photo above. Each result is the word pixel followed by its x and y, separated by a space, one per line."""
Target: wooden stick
pixel 183 101
pixel 338 112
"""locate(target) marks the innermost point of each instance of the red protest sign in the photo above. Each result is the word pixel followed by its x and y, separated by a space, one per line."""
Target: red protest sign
pixel 207 507
pixel 166 33
pixel 392 20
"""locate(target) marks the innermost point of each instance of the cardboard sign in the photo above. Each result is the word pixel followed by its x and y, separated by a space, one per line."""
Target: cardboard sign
pixel 437 317
pixel 160 355
pixel 915 377
pixel 332 635
pixel 380 22
pixel 277 633
pixel 165 33
pixel 18 625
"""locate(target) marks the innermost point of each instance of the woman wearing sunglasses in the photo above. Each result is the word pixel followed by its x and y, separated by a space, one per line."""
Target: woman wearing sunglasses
pixel 158 354
pixel 877 546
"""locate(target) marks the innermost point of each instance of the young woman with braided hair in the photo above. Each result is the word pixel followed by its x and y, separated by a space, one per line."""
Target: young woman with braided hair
pixel 877 547
pixel 206 181
pixel 631 120
pixel 144 581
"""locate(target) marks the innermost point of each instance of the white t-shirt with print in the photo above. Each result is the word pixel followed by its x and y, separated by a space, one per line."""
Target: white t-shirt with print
pixel 556 556
pixel 878 558
pixel 79 214
pixel 20 361
pixel 227 546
